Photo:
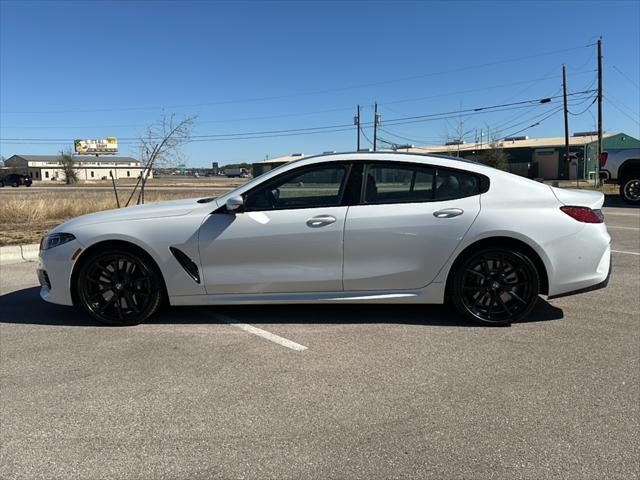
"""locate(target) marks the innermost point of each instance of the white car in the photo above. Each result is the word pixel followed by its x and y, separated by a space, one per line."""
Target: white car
pixel 339 228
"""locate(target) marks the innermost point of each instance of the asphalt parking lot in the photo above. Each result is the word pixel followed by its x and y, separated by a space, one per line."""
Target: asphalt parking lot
pixel 326 391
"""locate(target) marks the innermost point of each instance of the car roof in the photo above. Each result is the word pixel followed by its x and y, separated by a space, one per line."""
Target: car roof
pixel 430 158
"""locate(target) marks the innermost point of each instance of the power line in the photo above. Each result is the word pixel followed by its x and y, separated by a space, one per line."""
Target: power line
pixel 330 128
pixel 622 111
pixel 317 92
pixel 583 111
pixel 479 109
pixel 366 137
pixel 625 76
pixel 338 109
pixel 533 125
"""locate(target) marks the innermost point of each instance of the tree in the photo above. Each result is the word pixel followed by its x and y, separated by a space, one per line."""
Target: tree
pixel 495 156
pixel 68 164
pixel 161 146
pixel 2 161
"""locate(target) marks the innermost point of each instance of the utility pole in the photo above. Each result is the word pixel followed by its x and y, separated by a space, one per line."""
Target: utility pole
pixel 567 155
pixel 356 122
pixel 376 122
pixel 597 180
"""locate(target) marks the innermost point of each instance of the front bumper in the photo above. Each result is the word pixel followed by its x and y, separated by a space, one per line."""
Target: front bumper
pixel 54 273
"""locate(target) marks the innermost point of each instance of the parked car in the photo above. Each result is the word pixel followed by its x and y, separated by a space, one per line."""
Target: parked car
pixel 339 228
pixel 236 172
pixel 15 180
pixel 623 166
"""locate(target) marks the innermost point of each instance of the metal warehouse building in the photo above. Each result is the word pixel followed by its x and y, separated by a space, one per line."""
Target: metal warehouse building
pixel 544 157
pixel 529 157
pixel 49 167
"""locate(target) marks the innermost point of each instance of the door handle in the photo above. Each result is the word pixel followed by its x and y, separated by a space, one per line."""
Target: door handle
pixel 320 221
pixel 448 213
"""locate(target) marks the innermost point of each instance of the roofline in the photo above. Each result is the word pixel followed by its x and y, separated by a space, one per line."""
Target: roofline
pixel 383 152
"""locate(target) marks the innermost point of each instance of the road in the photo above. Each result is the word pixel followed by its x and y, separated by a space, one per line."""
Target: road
pixel 376 392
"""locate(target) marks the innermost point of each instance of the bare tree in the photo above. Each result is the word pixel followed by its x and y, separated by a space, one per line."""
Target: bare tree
pixel 495 156
pixel 160 146
pixel 68 164
pixel 2 159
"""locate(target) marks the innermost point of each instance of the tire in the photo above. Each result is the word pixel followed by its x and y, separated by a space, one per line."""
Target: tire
pixel 119 287
pixel 495 286
pixel 1 184
pixel 630 189
pixel 14 184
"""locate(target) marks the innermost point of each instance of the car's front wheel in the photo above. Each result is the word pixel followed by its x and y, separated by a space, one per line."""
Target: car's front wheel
pixel 119 287
pixel 495 286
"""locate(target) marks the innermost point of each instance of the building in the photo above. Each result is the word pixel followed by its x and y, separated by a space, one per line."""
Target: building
pixel 542 157
pixel 261 167
pixel 529 157
pixel 49 167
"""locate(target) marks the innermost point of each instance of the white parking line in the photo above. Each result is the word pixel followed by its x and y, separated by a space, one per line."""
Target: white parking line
pixel 622 228
pixel 263 333
pixel 627 253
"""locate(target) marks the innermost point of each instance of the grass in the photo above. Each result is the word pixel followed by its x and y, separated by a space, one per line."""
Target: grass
pixel 26 215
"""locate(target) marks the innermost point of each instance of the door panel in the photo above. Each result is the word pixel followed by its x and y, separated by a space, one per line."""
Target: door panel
pixel 403 245
pixel 276 251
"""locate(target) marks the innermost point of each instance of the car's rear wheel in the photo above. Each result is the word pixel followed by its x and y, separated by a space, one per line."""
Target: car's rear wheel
pixel 495 286
pixel 630 189
pixel 119 287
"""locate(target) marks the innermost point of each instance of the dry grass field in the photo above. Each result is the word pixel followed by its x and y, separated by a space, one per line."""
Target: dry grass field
pixel 28 213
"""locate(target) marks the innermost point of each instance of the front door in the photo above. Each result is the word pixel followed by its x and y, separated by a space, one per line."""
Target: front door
pixel 410 221
pixel 288 238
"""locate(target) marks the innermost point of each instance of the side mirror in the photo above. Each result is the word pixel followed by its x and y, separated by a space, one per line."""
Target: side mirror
pixel 234 204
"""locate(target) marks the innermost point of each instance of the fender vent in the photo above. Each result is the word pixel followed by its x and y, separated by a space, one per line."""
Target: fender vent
pixel 185 262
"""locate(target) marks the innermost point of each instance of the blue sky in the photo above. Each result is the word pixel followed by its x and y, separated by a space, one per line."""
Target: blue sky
pixel 93 69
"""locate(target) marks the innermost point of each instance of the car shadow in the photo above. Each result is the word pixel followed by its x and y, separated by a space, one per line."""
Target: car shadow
pixel 26 307
pixel 613 200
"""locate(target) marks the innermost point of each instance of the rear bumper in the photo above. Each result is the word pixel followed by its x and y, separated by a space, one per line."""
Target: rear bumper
pixel 597 286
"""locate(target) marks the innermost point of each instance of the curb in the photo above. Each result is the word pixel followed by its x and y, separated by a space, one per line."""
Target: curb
pixel 19 253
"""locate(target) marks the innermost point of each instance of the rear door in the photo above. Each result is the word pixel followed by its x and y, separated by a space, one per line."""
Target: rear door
pixel 410 220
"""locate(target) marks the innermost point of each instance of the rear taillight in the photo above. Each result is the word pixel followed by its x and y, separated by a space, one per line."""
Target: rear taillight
pixel 603 159
pixel 584 214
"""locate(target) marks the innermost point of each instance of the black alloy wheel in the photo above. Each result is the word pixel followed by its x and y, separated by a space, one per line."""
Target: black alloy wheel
pixel 496 286
pixel 630 190
pixel 118 287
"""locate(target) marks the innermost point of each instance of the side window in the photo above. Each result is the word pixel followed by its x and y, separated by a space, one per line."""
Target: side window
pixel 398 183
pixel 452 184
pixel 310 188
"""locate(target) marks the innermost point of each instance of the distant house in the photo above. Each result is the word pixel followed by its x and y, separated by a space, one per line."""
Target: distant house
pixel 49 167
pixel 541 157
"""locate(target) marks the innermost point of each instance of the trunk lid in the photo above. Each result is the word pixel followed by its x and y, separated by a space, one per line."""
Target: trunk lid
pixel 579 198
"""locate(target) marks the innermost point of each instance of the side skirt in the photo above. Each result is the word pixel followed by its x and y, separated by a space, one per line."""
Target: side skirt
pixel 432 294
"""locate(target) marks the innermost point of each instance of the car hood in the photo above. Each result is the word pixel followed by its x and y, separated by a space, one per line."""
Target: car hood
pixel 579 198
pixel 172 208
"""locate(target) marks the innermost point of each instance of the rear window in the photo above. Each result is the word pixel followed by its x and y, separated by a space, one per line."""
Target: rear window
pixel 452 184
pixel 402 183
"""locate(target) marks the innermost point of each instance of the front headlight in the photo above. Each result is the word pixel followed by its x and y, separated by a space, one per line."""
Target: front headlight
pixel 55 239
